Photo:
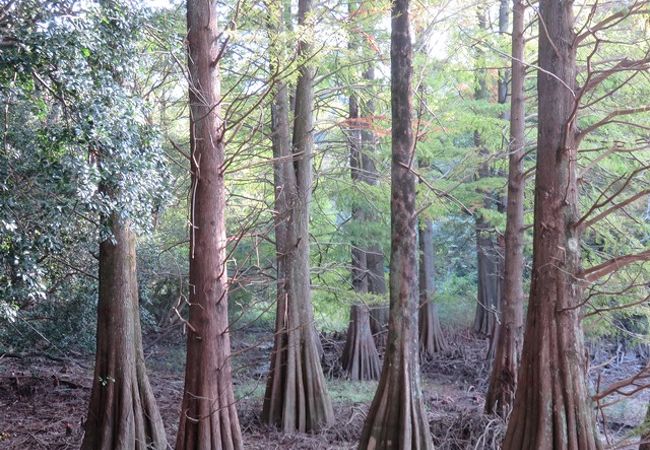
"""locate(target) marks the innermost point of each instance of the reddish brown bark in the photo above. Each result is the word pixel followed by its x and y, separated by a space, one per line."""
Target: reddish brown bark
pixel 208 415
pixel 360 359
pixel 553 408
pixel 503 377
pixel 122 413
pixel 397 419
pixel 296 397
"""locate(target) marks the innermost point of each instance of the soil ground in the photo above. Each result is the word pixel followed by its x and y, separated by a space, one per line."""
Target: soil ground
pixel 43 400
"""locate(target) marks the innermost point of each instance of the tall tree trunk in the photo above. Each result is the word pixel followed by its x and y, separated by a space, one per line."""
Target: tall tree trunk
pixel 488 289
pixel 208 415
pixel 360 358
pixel 503 378
pixel 487 255
pixel 432 340
pixel 296 397
pixel 397 419
pixel 359 258
pixel 374 253
pixel 552 407
pixel 123 414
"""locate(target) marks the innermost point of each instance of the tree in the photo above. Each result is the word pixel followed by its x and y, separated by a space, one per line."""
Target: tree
pixel 75 116
pixel 374 252
pixel 552 407
pixel 360 359
pixel 397 418
pixel 431 338
pixel 367 256
pixel 430 334
pixel 487 251
pixel 122 412
pixel 503 377
pixel 208 411
pixel 296 397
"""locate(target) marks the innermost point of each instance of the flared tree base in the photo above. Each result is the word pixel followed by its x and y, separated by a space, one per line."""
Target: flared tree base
pixel 360 358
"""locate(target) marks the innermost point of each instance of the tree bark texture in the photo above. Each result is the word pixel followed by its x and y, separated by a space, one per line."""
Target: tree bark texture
pixel 397 418
pixel 360 359
pixel 208 415
pixel 296 397
pixel 503 377
pixel 432 339
pixel 553 408
pixel 122 414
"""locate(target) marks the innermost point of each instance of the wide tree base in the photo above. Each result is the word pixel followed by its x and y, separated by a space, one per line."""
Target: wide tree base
pixel 130 420
pixel 432 340
pixel 122 414
pixel 388 427
pixel 296 398
pixel 360 359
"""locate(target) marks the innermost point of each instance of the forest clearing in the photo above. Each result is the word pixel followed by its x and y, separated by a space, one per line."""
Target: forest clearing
pixel 335 224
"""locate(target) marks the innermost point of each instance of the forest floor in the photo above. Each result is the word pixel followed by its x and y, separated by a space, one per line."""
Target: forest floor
pixel 43 400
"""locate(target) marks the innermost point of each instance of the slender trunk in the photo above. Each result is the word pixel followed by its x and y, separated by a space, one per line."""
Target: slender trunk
pixel 397 419
pixel 359 255
pixel 296 397
pixel 553 408
pixel 489 287
pixel 360 358
pixel 487 254
pixel 503 378
pixel 123 414
pixel 208 415
pixel 374 252
pixel 432 340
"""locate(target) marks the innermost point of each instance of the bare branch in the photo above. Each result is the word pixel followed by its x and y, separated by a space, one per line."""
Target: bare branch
pixel 596 272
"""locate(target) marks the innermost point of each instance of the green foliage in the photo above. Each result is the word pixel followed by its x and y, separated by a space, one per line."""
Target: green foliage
pixel 77 147
pixel 64 323
pixel 93 98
